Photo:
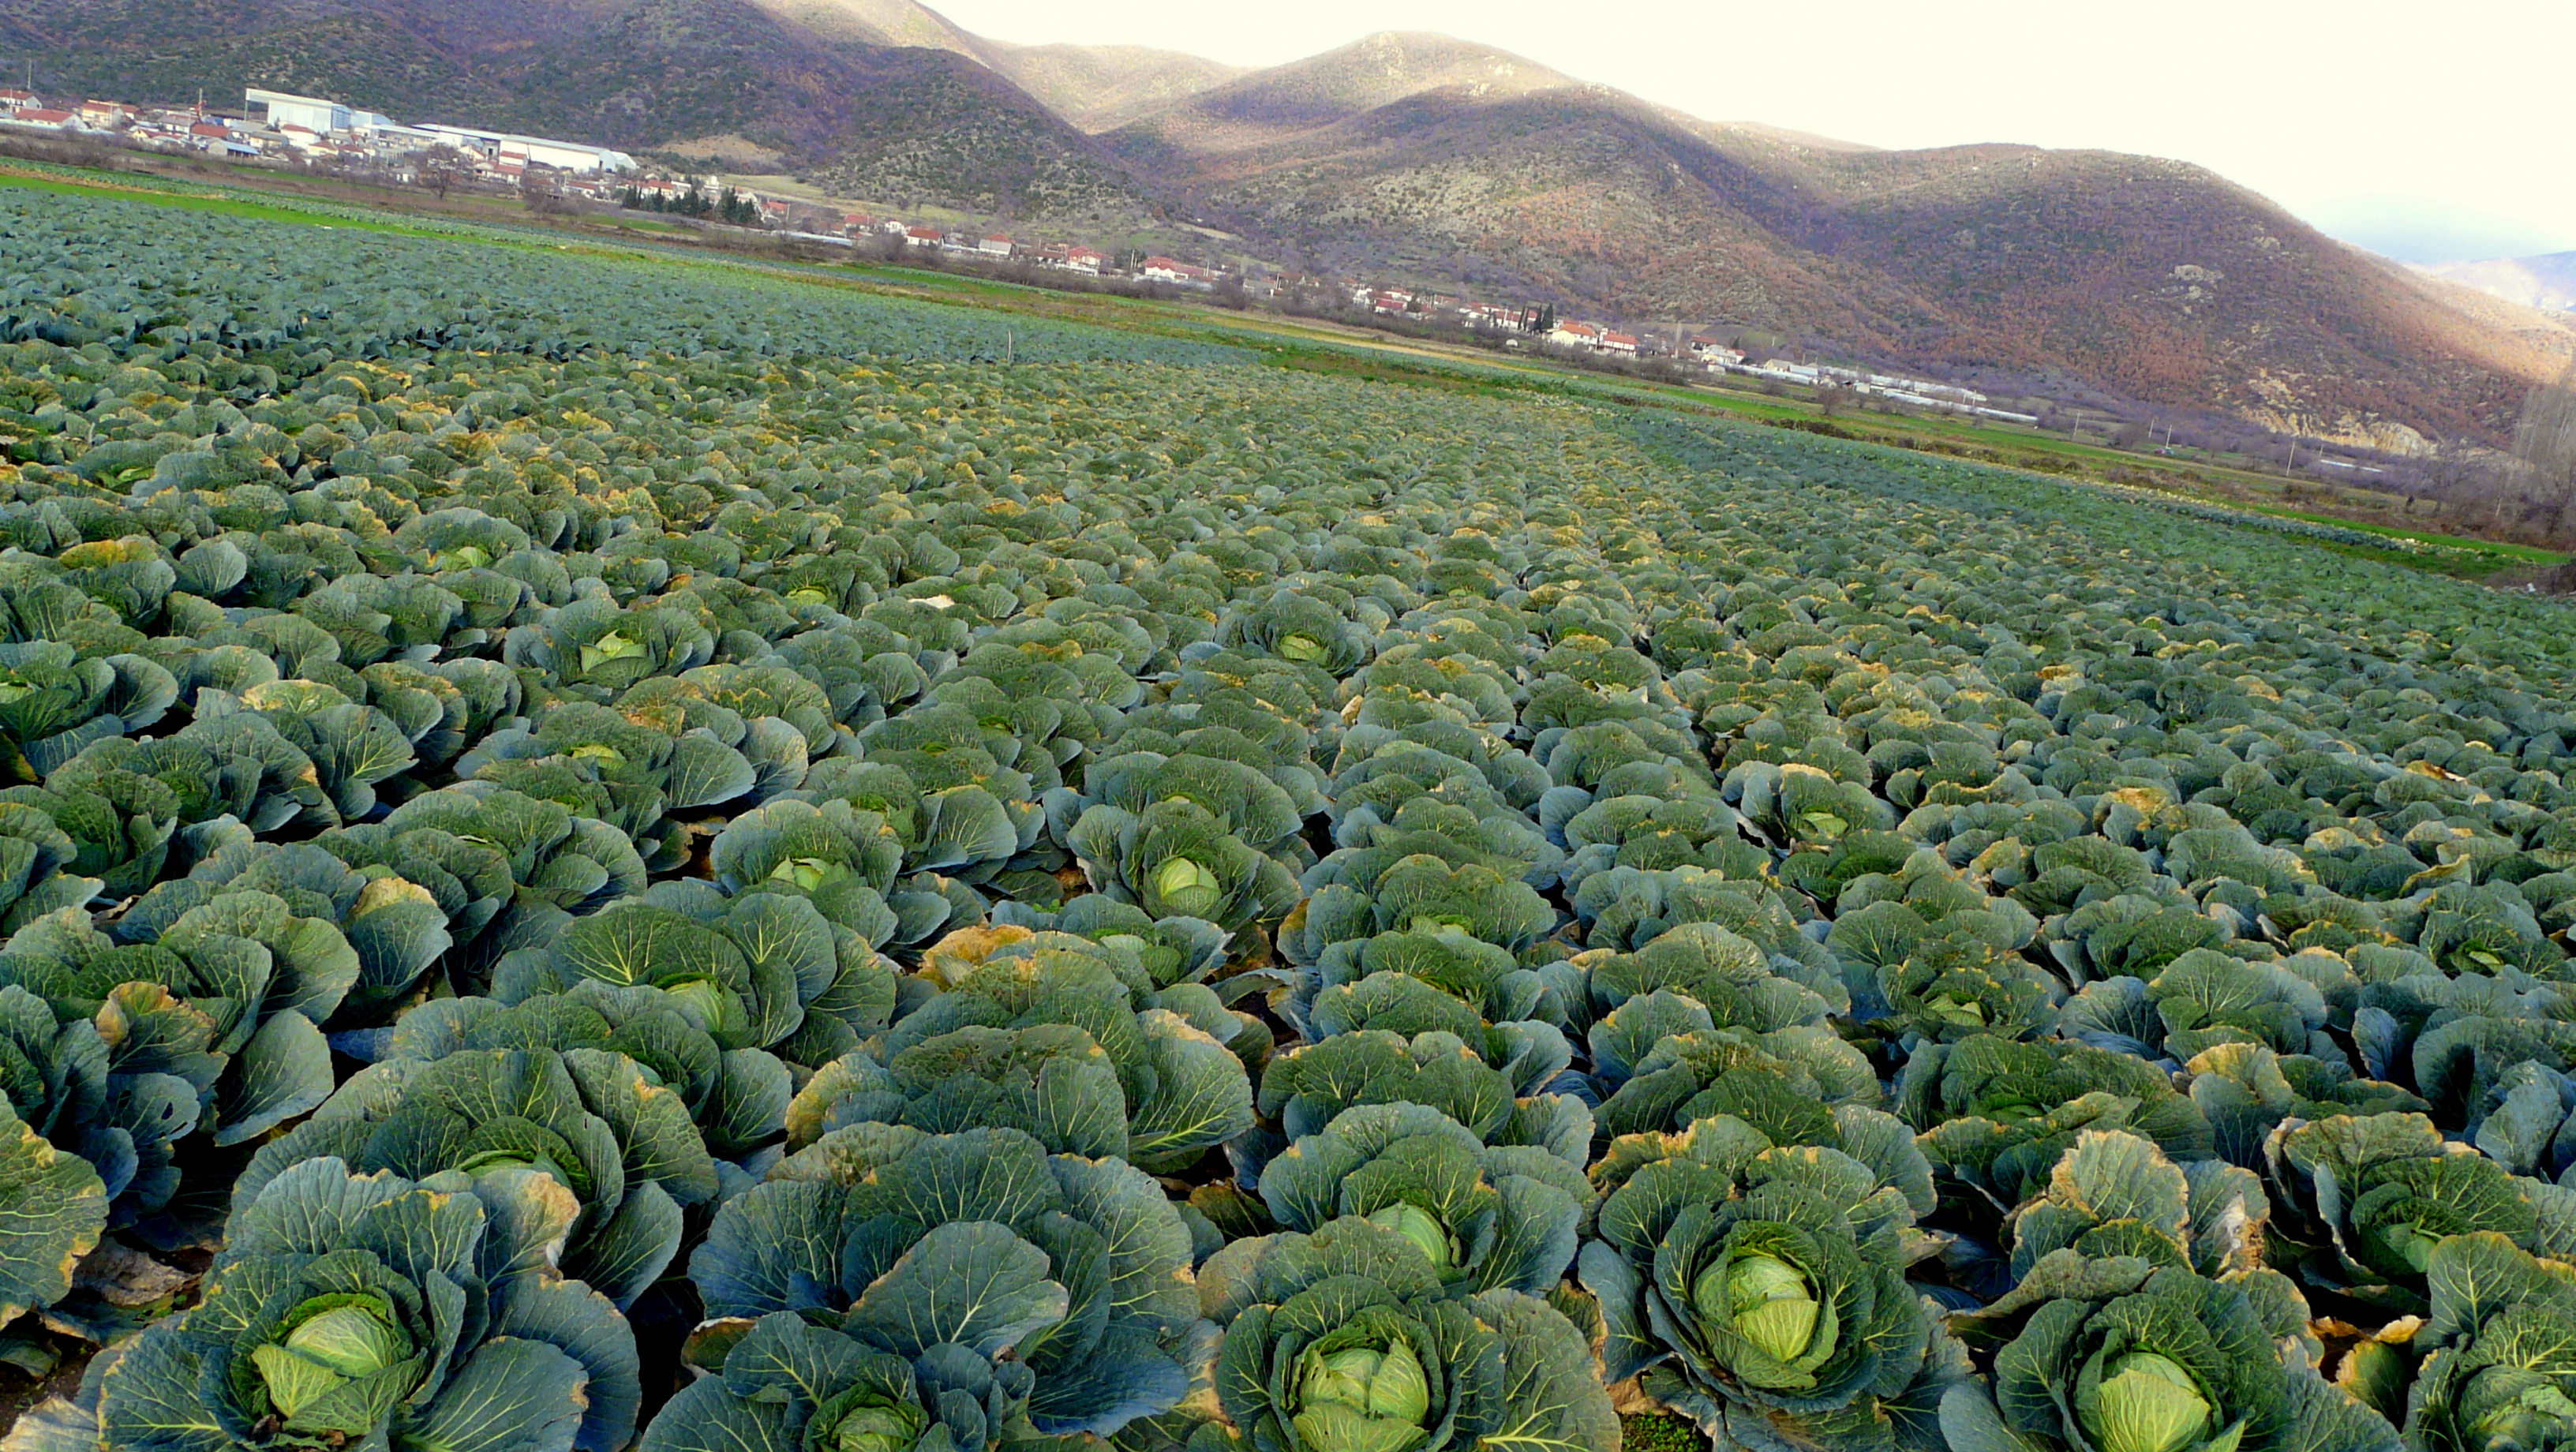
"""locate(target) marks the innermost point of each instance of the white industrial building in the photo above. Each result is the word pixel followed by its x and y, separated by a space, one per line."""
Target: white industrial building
pixel 313 113
pixel 534 150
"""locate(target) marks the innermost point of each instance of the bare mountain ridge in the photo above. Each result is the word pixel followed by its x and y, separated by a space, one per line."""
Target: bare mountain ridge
pixel 1103 87
pixel 1095 88
pixel 1269 106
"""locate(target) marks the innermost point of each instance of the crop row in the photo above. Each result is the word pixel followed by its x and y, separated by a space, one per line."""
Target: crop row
pixel 565 894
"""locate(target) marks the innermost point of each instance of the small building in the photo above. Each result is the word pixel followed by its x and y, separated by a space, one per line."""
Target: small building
pixel 45 116
pixel 16 100
pixel 1085 260
pixel 1575 335
pixel 101 115
pixel 998 248
pixel 1619 343
pixel 922 237
pixel 1167 269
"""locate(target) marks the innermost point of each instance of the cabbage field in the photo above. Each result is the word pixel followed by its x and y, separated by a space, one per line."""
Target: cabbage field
pixel 604 854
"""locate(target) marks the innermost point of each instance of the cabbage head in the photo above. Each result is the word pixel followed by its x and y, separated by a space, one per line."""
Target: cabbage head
pixel 2366 1199
pixel 736 1097
pixel 229 997
pixel 1760 1289
pixel 617 1146
pixel 787 1383
pixel 2498 1373
pixel 1304 1088
pixel 2118 1356
pixel 1184 1085
pixel 1485 1216
pixel 1176 860
pixel 1343 1341
pixel 910 1241
pixel 1996 1115
pixel 354 1310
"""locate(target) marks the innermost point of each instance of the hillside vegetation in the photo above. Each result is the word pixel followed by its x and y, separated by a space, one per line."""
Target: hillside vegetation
pixel 931 125
pixel 2153 280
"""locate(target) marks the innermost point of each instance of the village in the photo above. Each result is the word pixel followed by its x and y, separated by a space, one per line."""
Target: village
pixel 281 128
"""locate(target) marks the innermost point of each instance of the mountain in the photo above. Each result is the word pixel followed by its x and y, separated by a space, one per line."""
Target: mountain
pixel 1103 87
pixel 878 22
pixel 1271 106
pixel 1095 88
pixel 2546 281
pixel 1445 164
pixel 817 86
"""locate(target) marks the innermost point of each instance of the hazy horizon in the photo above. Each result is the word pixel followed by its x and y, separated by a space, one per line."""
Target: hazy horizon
pixel 2425 141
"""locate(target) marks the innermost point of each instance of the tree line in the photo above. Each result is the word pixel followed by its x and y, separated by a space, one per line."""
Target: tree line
pixel 728 206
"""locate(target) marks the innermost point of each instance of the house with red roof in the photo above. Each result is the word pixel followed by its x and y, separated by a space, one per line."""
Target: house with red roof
pixel 1167 269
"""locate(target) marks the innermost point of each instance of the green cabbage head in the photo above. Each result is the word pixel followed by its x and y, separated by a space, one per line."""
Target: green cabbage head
pixel 2109 1354
pixel 342 1356
pixel 2148 1403
pixel 1769 1302
pixel 2498 1373
pixel 1362 1390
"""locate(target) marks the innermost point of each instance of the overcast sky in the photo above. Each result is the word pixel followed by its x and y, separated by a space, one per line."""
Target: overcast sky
pixel 2428 131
